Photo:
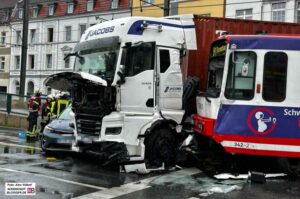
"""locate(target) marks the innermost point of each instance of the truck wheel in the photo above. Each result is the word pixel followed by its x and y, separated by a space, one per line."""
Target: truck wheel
pixel 160 148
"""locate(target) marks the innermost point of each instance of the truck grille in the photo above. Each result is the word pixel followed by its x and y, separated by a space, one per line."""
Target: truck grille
pixel 88 124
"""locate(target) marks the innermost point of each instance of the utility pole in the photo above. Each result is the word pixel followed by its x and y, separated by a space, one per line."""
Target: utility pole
pixel 24 47
pixel 166 8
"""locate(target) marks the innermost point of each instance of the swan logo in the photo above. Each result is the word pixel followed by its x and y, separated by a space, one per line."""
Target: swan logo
pixel 261 121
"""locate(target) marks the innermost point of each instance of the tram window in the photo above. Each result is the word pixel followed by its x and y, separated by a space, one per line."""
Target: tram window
pixel 241 76
pixel 274 79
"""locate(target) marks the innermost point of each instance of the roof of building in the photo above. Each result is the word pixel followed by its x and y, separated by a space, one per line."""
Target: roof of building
pixel 8 3
pixel 61 7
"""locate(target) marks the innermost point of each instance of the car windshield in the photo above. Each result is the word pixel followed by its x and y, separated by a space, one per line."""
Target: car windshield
pixel 101 62
pixel 66 114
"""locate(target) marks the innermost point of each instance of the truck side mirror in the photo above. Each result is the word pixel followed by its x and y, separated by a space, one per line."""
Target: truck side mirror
pixel 121 75
pixel 182 52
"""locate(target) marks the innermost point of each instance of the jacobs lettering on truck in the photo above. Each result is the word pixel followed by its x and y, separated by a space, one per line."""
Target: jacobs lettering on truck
pixel 172 89
pixel 100 31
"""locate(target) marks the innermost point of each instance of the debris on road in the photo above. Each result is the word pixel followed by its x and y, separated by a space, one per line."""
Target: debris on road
pixel 226 176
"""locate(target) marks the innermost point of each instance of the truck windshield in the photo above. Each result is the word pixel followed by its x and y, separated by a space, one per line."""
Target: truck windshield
pixel 215 68
pixel 101 62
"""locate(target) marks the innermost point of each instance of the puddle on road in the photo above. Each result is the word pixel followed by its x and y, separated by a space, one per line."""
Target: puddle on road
pixel 17 155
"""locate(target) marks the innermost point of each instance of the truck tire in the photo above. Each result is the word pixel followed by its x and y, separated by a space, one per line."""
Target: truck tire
pixel 160 148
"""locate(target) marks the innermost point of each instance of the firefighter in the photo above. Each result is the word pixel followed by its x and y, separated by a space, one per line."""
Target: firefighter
pixel 46 112
pixel 62 102
pixel 34 108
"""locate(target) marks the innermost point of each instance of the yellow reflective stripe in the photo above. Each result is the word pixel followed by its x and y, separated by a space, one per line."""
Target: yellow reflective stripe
pixel 52 106
pixel 31 133
pixel 59 103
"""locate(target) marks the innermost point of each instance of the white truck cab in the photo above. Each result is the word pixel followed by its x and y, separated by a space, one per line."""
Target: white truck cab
pixel 127 88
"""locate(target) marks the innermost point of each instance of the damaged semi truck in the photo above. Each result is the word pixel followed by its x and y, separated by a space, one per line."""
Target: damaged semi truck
pixel 131 86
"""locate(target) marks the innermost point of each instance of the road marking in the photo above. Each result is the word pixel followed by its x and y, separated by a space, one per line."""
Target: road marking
pixel 54 178
pixel 134 186
pixel 20 146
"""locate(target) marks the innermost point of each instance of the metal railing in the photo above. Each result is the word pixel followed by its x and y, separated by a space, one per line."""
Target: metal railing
pixel 16 104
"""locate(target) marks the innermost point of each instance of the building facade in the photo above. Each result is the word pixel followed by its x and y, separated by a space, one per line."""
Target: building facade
pixel 6 8
pixel 265 10
pixel 54 29
pixel 155 8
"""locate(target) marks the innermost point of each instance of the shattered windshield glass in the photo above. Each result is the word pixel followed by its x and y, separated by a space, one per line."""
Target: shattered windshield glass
pixel 100 62
pixel 215 68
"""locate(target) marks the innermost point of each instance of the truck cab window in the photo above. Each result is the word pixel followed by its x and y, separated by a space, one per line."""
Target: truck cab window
pixel 138 58
pixel 275 75
pixel 164 59
pixel 241 76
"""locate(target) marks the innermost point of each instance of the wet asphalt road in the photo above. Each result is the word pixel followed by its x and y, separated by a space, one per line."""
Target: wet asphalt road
pixel 65 175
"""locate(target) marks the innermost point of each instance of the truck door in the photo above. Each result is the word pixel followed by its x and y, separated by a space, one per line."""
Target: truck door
pixel 171 86
pixel 137 94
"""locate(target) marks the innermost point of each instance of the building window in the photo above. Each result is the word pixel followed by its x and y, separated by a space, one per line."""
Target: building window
pixel 35 11
pixel 90 5
pixel 17 86
pixel 49 61
pixel 3 38
pixel 82 28
pixel 148 2
pixel 278 11
pixel 70 7
pixel 67 62
pixel 50 35
pixel 114 4
pixel 30 88
pixel 244 14
pixel 17 62
pixel 18 35
pixel 275 76
pixel 32 36
pixel 20 13
pixel 31 62
pixel 2 63
pixel 6 15
pixel 298 12
pixel 68 33
pixel 51 10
